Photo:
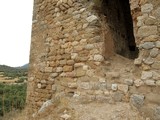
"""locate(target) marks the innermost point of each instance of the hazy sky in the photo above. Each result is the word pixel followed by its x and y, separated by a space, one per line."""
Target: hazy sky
pixel 15 31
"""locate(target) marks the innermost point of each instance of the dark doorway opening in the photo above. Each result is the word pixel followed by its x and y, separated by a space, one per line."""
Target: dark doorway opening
pixel 119 20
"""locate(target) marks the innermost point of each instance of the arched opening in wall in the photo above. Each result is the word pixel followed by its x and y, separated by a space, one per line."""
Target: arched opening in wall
pixel 119 21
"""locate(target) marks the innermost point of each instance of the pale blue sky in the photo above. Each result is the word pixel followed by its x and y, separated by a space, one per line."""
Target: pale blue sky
pixel 15 31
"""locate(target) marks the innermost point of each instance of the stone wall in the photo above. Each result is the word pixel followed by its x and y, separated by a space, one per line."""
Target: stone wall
pixel 68 52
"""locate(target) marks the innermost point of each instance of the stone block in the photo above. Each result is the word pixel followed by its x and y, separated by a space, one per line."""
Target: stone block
pixel 59 69
pixel 67 68
pixel 128 82
pixel 146 75
pixel 137 100
pixel 150 82
pixel 156 75
pixel 48 69
pixel 145 31
pixel 72 85
pixel 117 96
pixel 146 8
pixel 98 58
pixel 148 61
pixel 80 72
pixel 70 62
pixel 52 64
pixel 157 113
pixel 84 85
pixel 154 52
pixel 62 62
pixel 147 45
pixel 151 38
pixel 158 44
pixel 123 88
pixel 138 82
pixel 138 61
pixel 158 83
pixel 114 87
pixel 91 18
pixel 153 98
pixel 53 75
pixel 150 21
pixel 156 65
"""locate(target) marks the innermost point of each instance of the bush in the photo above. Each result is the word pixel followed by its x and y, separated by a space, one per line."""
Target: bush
pixel 12 97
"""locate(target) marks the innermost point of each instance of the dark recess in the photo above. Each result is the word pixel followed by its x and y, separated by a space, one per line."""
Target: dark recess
pixel 120 22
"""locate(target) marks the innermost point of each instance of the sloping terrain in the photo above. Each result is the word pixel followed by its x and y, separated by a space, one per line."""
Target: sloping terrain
pixel 71 108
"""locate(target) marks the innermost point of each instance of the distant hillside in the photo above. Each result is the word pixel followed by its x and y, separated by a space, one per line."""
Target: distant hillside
pixel 25 66
pixel 13 72
pixel 5 68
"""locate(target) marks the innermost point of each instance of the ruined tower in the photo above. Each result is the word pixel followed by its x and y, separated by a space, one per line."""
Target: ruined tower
pixel 74 41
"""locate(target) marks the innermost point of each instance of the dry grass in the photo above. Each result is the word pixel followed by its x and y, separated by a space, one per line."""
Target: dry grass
pixel 15 115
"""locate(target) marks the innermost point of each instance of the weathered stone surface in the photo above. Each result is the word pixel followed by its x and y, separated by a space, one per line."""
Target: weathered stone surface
pixel 158 44
pixel 72 85
pixel 156 65
pixel 45 105
pixel 102 80
pixel 123 88
pixel 148 61
pixel 80 72
pixel 114 87
pixel 146 8
pixel 53 75
pixel 154 52
pixel 145 31
pixel 137 100
pixel 117 96
pixel 138 82
pixel 147 45
pixel 67 68
pixel 157 12
pixel 138 61
pixel 156 75
pixel 39 85
pixel 128 81
pixel 141 20
pixel 150 82
pixel 151 38
pixel 146 75
pixel 48 69
pixel 59 69
pixel 150 20
pixel 157 113
pixel 153 98
pixel 84 85
pixel 91 18
pixel 65 116
pixel 98 58
pixel 158 83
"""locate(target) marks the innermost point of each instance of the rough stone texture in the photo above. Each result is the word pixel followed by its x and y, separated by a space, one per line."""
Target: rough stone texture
pixel 145 31
pixel 146 8
pixel 137 100
pixel 71 41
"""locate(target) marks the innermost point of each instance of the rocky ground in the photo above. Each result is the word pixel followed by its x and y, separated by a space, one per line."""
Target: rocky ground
pixel 70 108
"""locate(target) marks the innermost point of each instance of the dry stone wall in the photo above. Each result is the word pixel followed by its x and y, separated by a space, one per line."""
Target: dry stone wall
pixel 67 56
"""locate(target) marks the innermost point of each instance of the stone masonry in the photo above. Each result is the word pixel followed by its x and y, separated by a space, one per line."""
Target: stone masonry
pixel 71 42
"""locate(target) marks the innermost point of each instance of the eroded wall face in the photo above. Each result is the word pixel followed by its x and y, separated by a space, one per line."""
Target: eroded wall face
pixel 67 50
pixel 65 41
